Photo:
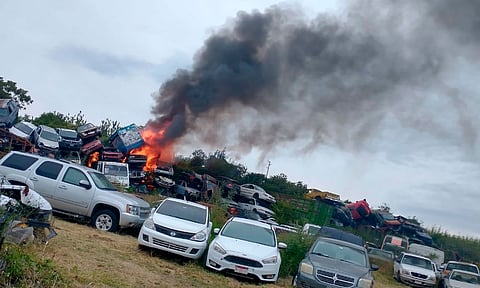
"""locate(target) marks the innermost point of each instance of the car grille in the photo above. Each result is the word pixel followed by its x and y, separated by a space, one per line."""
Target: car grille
pixel 144 213
pixel 243 261
pixel 173 233
pixel 334 278
pixel 169 245
pixel 418 275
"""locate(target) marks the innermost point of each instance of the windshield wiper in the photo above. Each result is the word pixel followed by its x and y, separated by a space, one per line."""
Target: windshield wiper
pixel 321 254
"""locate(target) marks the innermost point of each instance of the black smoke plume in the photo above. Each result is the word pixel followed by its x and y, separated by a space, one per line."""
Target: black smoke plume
pixel 270 78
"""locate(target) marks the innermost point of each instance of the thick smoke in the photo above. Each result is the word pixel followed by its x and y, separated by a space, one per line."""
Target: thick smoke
pixel 270 78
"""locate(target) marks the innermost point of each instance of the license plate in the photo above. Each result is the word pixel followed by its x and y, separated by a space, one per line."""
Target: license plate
pixel 241 269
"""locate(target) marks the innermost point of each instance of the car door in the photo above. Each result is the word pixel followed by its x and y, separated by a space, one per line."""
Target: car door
pixel 73 196
pixel 45 178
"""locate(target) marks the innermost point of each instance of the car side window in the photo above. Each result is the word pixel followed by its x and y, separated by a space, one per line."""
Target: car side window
pixel 74 176
pixel 49 169
pixel 19 162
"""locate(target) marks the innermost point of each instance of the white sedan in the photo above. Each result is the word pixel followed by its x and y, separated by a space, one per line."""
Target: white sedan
pixel 177 226
pixel 246 248
pixel 257 192
pixel 462 279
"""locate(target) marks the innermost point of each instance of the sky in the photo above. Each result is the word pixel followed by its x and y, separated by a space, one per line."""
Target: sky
pixel 366 99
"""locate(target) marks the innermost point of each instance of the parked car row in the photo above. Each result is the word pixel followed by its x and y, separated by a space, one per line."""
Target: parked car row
pixel 242 246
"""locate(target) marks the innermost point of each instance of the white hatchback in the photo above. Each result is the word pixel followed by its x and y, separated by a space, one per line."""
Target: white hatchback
pixel 177 226
pixel 246 248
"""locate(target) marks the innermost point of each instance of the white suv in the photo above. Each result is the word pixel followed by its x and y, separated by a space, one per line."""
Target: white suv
pixel 75 190
pixel 414 270
pixel 177 226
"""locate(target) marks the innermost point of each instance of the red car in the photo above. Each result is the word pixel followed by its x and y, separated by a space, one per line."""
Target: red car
pixel 360 210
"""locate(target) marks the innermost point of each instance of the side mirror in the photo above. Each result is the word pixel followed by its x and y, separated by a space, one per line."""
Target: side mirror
pixel 216 230
pixel 374 267
pixel 85 184
pixel 282 245
pixel 210 223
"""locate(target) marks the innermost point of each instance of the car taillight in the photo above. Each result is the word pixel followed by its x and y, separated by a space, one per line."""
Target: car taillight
pixel 26 190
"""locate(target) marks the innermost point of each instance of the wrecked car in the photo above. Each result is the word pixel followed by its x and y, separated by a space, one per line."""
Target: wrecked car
pixel 8 112
pixel 69 139
pixel 88 132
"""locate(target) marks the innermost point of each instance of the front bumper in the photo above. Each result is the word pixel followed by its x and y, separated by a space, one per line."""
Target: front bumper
pixel 416 282
pixel 183 247
pixel 217 261
pixel 130 220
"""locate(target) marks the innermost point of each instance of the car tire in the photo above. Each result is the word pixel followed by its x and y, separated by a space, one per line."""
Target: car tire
pixel 105 220
pixel 256 196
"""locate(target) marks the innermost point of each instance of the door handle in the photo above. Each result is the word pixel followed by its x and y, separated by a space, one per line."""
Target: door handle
pixel 62 187
pixel 34 179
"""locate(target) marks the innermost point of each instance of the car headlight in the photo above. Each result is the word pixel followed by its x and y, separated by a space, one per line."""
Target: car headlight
pixel 306 268
pixel 270 260
pixel 219 249
pixel 132 209
pixel 365 283
pixel 199 237
pixel 148 223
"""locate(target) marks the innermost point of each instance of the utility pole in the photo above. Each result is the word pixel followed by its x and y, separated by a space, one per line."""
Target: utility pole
pixel 268 168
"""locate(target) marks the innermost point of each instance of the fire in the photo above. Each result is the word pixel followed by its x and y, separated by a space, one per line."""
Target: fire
pixel 93 158
pixel 153 150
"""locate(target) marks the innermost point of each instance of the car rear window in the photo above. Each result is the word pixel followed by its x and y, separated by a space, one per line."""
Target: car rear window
pixel 19 161
pixel 183 211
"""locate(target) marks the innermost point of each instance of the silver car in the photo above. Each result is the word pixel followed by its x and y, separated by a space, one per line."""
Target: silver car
pixel 46 138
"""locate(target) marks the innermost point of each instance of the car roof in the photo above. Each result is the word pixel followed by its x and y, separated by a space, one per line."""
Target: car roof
pixel 29 124
pixel 463 271
pixel 186 202
pixel 335 233
pixel 250 221
pixel 85 168
pixel 48 128
pixel 460 262
pixel 417 256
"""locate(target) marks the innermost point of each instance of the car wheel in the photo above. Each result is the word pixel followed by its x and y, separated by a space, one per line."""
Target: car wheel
pixel 256 196
pixel 105 220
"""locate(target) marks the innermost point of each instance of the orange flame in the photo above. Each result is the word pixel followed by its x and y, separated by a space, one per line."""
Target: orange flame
pixel 93 158
pixel 152 149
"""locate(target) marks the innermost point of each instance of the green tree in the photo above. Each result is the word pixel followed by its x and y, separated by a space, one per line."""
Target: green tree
pixel 108 127
pixel 58 120
pixel 9 89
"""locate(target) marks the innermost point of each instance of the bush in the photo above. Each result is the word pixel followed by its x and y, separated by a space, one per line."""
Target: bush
pixel 297 246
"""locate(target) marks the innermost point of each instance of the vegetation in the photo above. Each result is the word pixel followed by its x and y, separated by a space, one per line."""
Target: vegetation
pixel 9 90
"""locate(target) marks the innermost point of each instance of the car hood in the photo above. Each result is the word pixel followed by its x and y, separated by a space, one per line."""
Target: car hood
pixel 177 223
pixel 132 199
pixel 245 249
pixel 17 132
pixel 48 143
pixel 338 266
pixel 459 284
pixel 418 269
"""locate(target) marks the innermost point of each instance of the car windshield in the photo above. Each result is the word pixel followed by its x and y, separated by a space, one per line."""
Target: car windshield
pixel 116 170
pixel 183 211
pixel 86 127
pixel 387 216
pixel 24 128
pixel 462 266
pixel 340 252
pixel 49 136
pixel 67 133
pixel 250 232
pixel 418 262
pixel 465 277
pixel 101 181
